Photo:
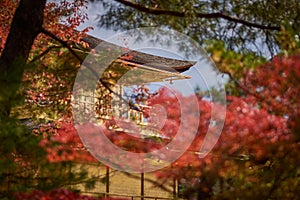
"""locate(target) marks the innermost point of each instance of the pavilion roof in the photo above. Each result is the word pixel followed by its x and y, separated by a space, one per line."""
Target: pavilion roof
pixel 146 67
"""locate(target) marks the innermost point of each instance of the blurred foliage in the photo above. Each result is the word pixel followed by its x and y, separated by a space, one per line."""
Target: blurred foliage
pixel 232 64
pixel 42 102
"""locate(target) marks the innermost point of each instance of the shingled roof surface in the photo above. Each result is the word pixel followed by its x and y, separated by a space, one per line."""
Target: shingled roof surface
pixel 140 58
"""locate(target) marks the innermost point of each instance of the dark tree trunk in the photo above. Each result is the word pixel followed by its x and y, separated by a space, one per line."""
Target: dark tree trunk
pixel 26 25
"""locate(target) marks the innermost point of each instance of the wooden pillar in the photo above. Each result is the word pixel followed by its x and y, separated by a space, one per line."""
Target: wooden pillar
pixel 175 186
pixel 141 117
pixel 107 181
pixel 142 186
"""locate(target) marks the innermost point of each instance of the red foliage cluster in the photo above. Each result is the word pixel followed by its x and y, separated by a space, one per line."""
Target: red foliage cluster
pixel 250 125
pixel 276 87
pixel 65 145
pixel 63 17
pixel 259 125
pixel 249 130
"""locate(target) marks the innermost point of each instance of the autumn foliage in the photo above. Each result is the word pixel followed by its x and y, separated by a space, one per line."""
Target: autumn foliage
pixel 258 151
pixel 257 155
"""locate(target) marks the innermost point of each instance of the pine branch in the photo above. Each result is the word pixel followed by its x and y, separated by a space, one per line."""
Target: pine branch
pixel 154 11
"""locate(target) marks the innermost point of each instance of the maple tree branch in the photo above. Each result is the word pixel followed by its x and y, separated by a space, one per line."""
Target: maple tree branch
pixel 155 11
pixel 44 53
pixel 65 44
pixel 62 42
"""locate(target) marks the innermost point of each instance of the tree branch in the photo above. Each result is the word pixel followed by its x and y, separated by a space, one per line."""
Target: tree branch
pixel 44 53
pixel 62 42
pixel 154 11
pixel 65 44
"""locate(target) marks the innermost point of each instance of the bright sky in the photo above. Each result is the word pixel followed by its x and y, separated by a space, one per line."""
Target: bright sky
pixel 94 9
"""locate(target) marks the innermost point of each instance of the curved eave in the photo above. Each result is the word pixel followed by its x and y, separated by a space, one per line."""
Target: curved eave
pixel 158 62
